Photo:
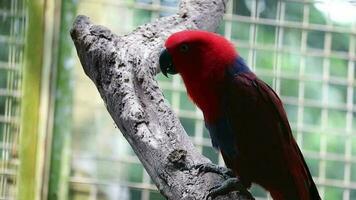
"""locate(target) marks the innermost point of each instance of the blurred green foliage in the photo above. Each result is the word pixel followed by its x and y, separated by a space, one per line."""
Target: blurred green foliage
pixel 58 187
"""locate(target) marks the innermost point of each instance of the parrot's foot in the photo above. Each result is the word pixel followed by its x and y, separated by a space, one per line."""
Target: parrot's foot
pixel 209 167
pixel 229 185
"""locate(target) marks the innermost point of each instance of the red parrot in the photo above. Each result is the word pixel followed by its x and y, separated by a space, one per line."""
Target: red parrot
pixel 245 117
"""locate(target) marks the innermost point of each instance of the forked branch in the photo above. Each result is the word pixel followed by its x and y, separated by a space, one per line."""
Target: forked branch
pixel 123 69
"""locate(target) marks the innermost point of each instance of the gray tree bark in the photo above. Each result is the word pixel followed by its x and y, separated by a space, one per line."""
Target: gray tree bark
pixel 123 70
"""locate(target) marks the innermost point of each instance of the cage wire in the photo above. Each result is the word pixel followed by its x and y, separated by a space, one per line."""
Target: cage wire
pixel 305 54
pixel 12 26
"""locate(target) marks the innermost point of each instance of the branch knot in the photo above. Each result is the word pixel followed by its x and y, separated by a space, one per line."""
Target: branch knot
pixel 178 158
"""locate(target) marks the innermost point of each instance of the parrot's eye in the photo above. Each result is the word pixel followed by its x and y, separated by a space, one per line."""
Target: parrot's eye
pixel 184 48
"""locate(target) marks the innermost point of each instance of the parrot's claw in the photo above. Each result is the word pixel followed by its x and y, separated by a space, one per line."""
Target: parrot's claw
pixel 229 185
pixel 209 167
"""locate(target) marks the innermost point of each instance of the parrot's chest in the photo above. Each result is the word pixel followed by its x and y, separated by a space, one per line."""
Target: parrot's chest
pixel 207 98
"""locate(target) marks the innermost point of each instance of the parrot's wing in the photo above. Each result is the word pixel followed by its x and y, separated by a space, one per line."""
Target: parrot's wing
pixel 257 115
pixel 276 103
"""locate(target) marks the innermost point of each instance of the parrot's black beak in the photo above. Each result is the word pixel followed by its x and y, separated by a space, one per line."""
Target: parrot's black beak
pixel 166 63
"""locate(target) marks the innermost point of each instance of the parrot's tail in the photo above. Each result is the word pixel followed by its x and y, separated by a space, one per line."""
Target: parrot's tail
pixel 314 194
pixel 313 190
pixel 303 180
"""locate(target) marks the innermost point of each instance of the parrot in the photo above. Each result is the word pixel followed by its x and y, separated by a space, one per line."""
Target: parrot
pixel 245 117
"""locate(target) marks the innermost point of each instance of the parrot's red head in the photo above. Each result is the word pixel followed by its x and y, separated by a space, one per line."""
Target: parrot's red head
pixel 201 58
pixel 197 54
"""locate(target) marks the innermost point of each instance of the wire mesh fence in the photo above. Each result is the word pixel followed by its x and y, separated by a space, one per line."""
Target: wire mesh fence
pixel 12 26
pixel 305 51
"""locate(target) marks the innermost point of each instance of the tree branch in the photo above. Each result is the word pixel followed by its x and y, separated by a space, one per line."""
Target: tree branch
pixel 123 69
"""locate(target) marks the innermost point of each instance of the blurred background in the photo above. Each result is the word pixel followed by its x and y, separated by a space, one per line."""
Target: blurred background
pixel 57 140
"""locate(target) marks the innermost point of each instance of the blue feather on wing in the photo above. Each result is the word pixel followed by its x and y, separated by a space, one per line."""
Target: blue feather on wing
pixel 221 132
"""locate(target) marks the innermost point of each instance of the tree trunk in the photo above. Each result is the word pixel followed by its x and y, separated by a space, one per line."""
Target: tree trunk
pixel 123 70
